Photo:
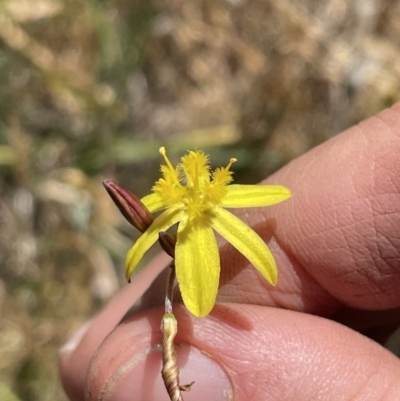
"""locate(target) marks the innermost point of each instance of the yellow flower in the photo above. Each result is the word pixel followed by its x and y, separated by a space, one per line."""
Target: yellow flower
pixel 196 198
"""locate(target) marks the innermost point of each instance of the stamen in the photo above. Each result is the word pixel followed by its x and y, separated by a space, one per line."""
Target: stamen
pixel 231 161
pixel 163 152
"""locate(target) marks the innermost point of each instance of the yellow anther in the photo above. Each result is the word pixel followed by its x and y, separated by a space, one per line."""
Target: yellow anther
pixel 231 161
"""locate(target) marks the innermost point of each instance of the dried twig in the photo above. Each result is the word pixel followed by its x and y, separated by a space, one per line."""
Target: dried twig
pixel 169 329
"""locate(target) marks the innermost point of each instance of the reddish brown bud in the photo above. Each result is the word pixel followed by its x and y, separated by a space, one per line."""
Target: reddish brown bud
pixel 167 243
pixel 134 211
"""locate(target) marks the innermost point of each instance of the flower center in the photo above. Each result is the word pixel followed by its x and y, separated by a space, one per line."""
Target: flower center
pixel 191 183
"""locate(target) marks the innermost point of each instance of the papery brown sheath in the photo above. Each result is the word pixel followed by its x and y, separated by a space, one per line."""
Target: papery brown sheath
pixel 170 369
pixel 169 329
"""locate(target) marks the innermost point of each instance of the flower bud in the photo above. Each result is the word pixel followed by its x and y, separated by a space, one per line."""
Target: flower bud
pixel 167 243
pixel 134 211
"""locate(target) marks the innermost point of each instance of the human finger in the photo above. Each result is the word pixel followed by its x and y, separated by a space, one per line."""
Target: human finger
pixel 316 274
pixel 264 354
pixel 337 240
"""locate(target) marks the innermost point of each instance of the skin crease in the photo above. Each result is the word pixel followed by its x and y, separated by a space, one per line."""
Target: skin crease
pixel 337 247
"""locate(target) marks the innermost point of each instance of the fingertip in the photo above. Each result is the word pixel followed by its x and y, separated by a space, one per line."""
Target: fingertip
pixel 71 382
pixel 342 224
pixel 129 362
pixel 281 355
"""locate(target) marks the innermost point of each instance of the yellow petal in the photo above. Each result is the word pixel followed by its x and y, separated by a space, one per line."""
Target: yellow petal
pixel 247 242
pixel 149 237
pixel 197 266
pixel 153 202
pixel 254 195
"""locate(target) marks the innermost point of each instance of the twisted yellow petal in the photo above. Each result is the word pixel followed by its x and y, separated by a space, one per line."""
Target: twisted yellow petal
pixel 247 242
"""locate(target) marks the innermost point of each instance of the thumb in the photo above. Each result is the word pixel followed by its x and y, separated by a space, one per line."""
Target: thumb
pixel 265 354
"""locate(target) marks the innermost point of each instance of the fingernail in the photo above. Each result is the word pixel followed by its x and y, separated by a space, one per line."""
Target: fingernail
pixel 72 344
pixel 140 379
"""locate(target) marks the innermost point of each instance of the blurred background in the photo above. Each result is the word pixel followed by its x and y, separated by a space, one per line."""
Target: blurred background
pixel 90 89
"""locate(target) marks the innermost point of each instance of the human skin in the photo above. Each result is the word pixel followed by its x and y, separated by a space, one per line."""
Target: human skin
pixel 337 247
